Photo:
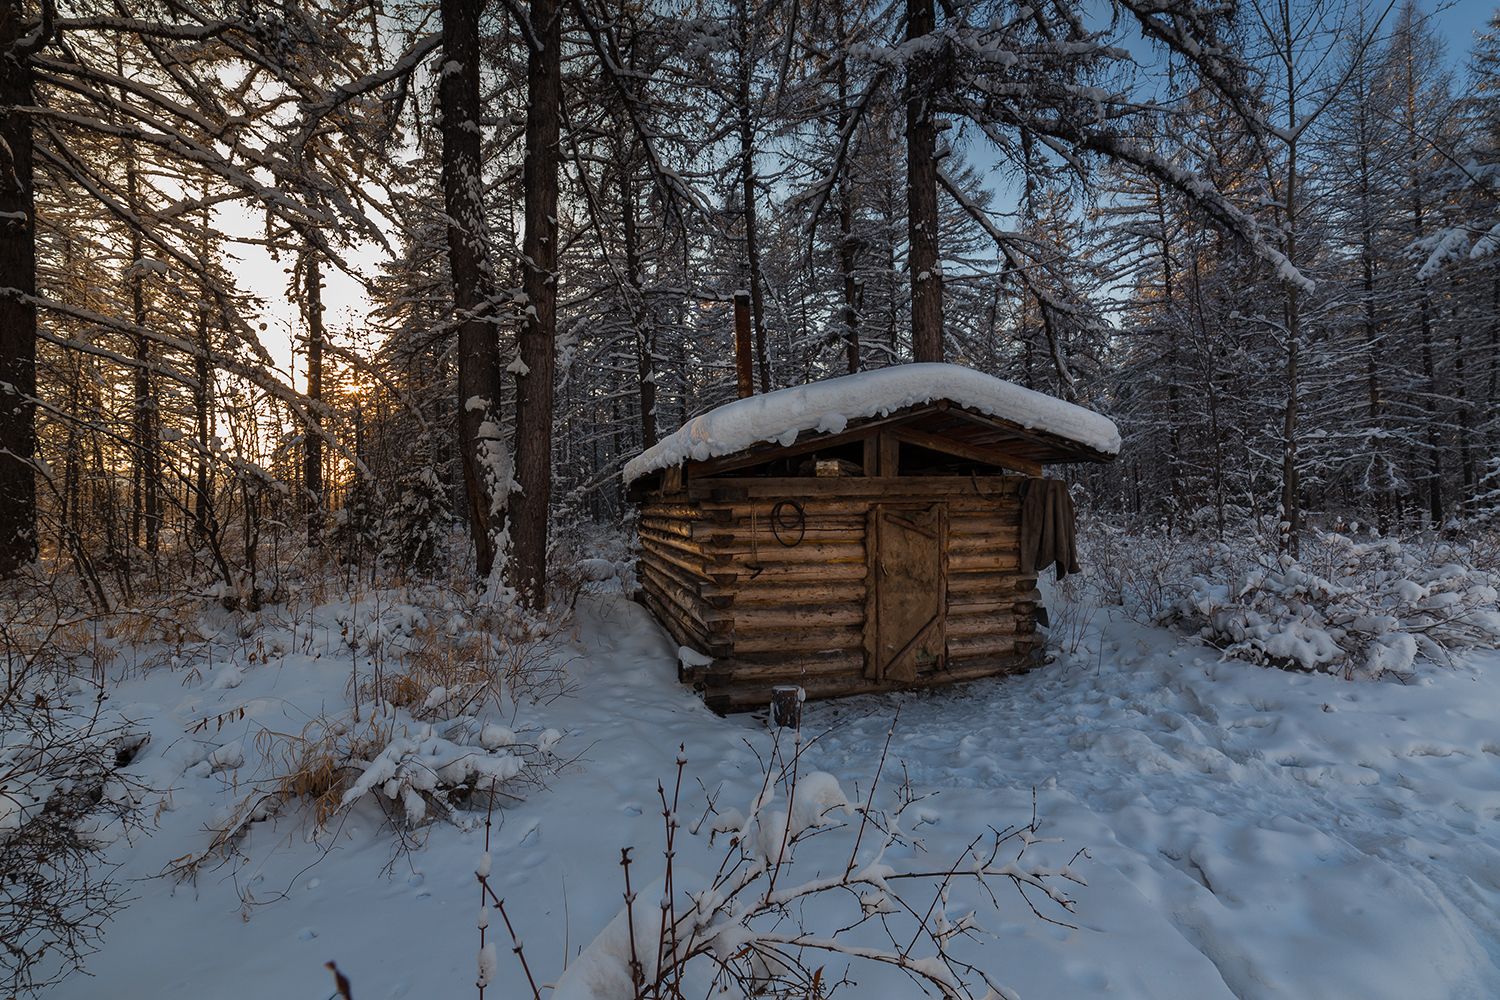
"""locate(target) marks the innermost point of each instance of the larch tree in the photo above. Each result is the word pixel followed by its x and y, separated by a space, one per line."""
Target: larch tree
pixel 486 461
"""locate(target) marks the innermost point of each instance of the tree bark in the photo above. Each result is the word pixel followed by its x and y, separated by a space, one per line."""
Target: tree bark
pixel 921 194
pixel 18 540
pixel 312 452
pixel 645 342
pixel 747 191
pixel 846 224
pixel 534 380
pixel 1291 472
pixel 145 520
pixel 481 445
pixel 203 506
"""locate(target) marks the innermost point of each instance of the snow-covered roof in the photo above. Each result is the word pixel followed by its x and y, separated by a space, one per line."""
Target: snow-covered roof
pixel 829 406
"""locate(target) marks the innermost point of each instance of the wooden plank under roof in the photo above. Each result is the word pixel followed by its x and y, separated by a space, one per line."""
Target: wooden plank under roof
pixel 975 437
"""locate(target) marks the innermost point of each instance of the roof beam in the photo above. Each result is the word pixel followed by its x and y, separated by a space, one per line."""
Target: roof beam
pixel 948 446
pixel 741 460
pixel 1057 443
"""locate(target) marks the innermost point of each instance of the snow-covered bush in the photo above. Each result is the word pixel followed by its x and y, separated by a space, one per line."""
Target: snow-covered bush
pixel 1346 607
pixel 418 773
pixel 768 924
pixel 444 771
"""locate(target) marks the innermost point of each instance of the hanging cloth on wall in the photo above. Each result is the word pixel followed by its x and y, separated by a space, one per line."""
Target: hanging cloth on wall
pixel 1048 529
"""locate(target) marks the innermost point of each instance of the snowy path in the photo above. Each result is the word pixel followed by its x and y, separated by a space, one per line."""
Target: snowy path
pixel 1253 833
pixel 1312 837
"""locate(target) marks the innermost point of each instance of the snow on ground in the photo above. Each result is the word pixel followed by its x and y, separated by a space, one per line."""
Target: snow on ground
pixel 829 405
pixel 1251 833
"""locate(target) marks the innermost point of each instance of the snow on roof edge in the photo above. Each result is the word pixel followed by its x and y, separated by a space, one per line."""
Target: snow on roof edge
pixel 828 406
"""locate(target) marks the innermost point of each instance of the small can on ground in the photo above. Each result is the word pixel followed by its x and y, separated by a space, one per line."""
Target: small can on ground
pixel 786 706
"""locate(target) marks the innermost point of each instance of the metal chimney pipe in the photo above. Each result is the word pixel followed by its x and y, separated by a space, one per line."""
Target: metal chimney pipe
pixel 742 348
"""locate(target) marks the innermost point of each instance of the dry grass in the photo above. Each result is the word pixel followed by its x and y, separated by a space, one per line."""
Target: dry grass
pixel 466 667
pixel 487 661
pixel 317 765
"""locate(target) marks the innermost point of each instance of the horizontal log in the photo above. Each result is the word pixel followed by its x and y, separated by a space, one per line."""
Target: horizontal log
pixel 750 618
pixel 816 521
pixel 742 535
pixel 678 543
pixel 683 631
pixel 756 661
pixel 994 543
pixel 808 552
pixel 799 640
pixel 782 669
pixel 710 621
pixel 991 666
pixel 963 647
pixel 970 562
pixel 784 574
pixel 751 694
pixel 998 624
pixel 664 566
pixel 987 582
pixel 975 523
pixel 695 568
pixel 805 592
pixel 674 511
pixel 686 597
pixel 983 603
pixel 675 526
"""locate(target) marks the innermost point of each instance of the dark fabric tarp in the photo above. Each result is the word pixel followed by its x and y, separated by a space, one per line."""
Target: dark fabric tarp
pixel 1048 531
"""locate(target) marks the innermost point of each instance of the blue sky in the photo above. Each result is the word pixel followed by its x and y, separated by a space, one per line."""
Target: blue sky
pixel 1460 22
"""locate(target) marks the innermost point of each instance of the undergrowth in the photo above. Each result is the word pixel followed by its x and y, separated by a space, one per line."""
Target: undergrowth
pixel 1351 604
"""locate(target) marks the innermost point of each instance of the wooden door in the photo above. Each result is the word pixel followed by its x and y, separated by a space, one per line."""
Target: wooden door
pixel 908 591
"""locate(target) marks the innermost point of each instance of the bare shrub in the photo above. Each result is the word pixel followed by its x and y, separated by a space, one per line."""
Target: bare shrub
pixel 765 926
pixel 1070 611
pixel 60 788
pixel 438 675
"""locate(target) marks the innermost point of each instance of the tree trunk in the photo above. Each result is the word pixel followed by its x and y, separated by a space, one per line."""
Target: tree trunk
pixel 846 224
pixel 485 461
pixel 1461 393
pixel 747 180
pixel 1291 486
pixel 203 507
pixel 18 541
pixel 645 343
pixel 539 328
pixel 921 193
pixel 1434 438
pixel 312 453
pixel 146 512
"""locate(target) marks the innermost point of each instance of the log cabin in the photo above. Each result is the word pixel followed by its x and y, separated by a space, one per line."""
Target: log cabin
pixel 854 535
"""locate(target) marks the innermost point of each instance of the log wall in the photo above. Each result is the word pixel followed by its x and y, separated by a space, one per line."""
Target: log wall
pixel 716 576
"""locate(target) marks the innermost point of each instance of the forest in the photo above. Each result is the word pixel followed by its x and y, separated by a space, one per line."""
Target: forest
pixel 305 301
pixel 1258 238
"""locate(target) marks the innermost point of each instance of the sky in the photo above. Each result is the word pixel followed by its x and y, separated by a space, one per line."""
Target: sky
pixel 1460 22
